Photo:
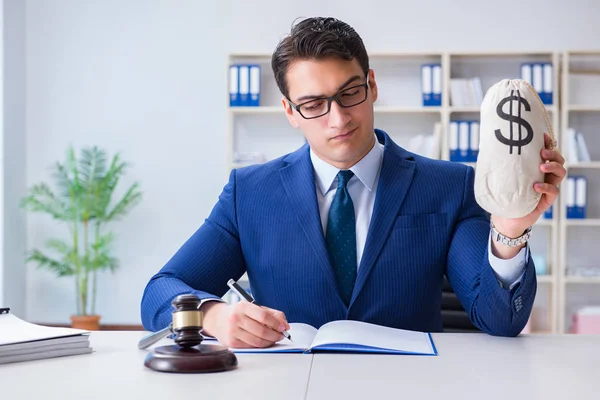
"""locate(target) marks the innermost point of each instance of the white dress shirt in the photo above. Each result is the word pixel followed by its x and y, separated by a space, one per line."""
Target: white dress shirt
pixel 362 188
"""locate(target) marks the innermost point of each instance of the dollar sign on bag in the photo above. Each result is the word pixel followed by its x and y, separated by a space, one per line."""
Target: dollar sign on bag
pixel 512 141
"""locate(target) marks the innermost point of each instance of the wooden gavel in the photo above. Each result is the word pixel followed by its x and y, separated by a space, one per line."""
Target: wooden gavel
pixel 188 354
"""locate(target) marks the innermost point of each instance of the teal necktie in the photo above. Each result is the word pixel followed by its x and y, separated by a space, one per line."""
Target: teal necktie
pixel 341 237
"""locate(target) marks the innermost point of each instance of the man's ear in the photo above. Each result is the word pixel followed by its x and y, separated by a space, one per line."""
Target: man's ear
pixel 289 112
pixel 373 85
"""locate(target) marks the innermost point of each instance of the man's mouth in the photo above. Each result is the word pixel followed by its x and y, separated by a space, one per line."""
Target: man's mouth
pixel 345 135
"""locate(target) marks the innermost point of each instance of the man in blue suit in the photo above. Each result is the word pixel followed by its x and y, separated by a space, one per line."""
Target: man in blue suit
pixel 349 226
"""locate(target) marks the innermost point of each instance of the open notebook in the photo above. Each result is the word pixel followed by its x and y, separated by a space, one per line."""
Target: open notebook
pixel 353 337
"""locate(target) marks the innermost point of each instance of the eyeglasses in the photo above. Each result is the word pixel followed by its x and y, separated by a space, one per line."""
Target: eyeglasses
pixel 346 98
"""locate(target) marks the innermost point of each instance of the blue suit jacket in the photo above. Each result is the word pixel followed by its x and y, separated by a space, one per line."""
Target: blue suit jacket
pixel 425 223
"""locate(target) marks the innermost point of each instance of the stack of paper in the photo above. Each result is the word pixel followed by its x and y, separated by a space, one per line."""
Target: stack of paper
pixel 466 92
pixel 578 150
pixel 23 341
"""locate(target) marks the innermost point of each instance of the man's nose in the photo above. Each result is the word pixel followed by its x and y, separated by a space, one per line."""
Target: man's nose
pixel 338 116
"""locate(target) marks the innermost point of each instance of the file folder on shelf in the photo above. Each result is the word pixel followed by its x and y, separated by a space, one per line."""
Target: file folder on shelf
pixel 234 100
pixel 464 140
pixel 244 85
pixel 541 77
pixel 431 84
pixel 576 197
pixel 254 86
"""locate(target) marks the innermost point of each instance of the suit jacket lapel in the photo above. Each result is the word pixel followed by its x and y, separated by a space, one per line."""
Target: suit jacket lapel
pixel 396 175
pixel 298 181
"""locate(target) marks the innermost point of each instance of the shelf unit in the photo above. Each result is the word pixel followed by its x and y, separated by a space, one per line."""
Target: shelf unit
pixel 399 112
pixel 580 109
pixel 394 72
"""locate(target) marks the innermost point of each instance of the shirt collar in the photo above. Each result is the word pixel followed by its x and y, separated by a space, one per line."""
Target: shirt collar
pixel 365 170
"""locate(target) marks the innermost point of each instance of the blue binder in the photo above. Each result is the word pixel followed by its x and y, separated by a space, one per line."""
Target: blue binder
pixel 453 141
pixel 234 86
pixel 436 84
pixel 580 197
pixel 244 85
pixel 473 140
pixel 426 84
pixel 254 85
pixel 548 80
pixel 576 197
pixel 548 213
pixel 463 141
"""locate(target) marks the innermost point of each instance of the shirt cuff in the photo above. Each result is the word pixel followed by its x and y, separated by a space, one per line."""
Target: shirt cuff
pixel 508 272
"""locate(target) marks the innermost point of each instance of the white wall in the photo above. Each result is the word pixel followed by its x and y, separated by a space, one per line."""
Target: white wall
pixel 148 78
pixel 13 174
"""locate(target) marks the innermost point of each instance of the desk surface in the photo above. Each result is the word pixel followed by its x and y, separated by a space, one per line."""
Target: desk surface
pixel 469 366
pixel 115 371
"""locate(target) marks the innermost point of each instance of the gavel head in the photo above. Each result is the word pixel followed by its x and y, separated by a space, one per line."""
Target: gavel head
pixel 187 320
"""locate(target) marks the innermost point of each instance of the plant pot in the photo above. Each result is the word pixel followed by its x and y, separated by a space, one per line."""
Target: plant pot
pixel 86 322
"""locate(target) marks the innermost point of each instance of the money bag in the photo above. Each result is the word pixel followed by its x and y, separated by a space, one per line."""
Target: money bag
pixel 512 126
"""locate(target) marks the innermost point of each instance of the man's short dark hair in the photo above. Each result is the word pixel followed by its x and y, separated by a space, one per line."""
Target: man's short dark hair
pixel 317 38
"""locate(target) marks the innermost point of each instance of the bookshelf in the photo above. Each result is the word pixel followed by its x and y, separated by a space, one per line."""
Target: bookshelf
pixel 580 109
pixel 399 111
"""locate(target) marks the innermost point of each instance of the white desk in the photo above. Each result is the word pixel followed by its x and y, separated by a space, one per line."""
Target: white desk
pixel 116 371
pixel 469 366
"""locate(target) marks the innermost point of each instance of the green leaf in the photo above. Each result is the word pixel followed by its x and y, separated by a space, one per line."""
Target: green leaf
pixel 92 169
pixel 42 199
pixel 103 242
pixel 64 182
pixel 60 246
pixel 131 198
pixel 92 165
pixel 108 184
pixel 45 262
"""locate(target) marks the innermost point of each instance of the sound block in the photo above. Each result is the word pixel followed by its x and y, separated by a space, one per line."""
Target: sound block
pixel 197 359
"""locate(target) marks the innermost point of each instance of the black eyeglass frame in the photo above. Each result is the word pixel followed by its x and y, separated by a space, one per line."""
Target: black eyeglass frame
pixel 332 98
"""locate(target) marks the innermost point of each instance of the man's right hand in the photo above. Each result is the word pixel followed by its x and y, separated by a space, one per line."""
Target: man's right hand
pixel 243 324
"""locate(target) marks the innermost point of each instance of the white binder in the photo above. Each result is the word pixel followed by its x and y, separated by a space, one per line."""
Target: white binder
pixel 426 84
pixel 474 140
pixel 233 86
pixel 526 73
pixel 570 197
pixel 254 86
pixel 538 83
pixel 463 140
pixel 244 85
pixel 581 196
pixel 453 141
pixel 436 86
pixel 547 84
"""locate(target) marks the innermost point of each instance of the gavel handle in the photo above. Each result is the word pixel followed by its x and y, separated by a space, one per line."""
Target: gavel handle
pixel 149 340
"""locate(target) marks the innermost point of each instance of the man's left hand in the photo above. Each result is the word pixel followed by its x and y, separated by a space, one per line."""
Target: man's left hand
pixel 554 173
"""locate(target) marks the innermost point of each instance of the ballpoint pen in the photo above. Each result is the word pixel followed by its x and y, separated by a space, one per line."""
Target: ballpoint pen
pixel 244 295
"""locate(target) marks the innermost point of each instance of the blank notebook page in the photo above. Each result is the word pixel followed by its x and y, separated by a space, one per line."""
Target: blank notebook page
pixel 370 335
pixel 302 336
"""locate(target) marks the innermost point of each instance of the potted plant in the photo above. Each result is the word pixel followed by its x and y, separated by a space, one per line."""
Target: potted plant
pixel 83 201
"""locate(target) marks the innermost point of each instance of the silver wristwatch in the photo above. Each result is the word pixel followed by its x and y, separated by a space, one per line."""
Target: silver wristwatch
pixel 510 242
